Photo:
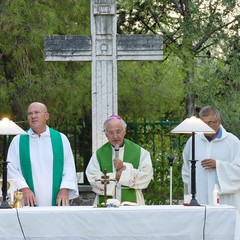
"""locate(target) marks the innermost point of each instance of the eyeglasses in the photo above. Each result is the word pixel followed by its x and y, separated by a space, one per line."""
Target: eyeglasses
pixel 211 123
pixel 36 113
pixel 117 132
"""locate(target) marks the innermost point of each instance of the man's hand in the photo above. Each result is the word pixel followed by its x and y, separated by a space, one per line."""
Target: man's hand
pixel 119 173
pixel 208 163
pixel 118 164
pixel 63 197
pixel 28 196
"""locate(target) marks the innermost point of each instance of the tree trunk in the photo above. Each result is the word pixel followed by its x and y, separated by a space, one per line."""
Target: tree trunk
pixel 190 104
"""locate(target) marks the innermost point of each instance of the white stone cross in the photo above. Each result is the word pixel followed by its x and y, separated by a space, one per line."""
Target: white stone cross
pixel 104 48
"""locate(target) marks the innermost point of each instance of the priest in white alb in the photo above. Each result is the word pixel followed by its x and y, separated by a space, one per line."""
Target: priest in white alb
pixel 42 163
pixel 218 162
pixel 128 165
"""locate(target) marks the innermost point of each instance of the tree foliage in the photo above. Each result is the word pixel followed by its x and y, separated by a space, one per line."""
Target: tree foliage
pixel 197 35
pixel 191 30
pixel 150 89
pixel 25 77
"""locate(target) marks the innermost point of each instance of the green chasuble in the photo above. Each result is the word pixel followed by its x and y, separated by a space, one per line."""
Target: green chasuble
pixel 132 153
pixel 58 161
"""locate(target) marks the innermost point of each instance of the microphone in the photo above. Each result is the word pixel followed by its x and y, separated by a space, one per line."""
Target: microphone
pixel 171 160
pixel 116 149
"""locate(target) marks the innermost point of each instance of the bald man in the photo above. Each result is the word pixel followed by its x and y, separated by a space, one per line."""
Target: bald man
pixel 42 163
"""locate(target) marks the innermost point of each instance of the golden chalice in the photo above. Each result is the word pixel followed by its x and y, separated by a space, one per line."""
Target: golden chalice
pixel 18 196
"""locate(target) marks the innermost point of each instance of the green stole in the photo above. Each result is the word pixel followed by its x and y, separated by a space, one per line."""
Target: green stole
pixel 132 153
pixel 58 156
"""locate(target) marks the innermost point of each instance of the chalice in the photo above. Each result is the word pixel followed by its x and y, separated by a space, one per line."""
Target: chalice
pixel 18 196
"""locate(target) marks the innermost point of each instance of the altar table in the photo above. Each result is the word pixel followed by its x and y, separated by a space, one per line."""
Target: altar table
pixel 125 223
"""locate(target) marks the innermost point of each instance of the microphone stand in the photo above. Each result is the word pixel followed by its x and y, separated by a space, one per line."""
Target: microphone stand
pixel 116 149
pixel 170 159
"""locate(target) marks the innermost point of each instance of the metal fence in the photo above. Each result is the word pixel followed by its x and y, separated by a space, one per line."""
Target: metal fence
pixel 149 135
pixel 154 136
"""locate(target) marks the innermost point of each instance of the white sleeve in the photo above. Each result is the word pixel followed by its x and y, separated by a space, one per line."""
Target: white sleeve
pixel 94 174
pixel 138 178
pixel 228 172
pixel 186 166
pixel 69 179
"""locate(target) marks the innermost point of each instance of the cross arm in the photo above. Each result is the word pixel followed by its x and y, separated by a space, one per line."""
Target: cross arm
pixel 67 48
pixel 140 47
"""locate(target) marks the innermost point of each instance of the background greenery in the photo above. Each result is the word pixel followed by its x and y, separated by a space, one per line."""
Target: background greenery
pixel 200 67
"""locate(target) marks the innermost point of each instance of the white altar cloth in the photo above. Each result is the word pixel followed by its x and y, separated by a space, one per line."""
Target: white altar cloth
pixel 9 225
pixel 125 223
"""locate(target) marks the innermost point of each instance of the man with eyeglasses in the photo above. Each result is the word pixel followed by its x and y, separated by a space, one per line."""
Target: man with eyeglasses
pixel 42 163
pixel 128 165
pixel 218 156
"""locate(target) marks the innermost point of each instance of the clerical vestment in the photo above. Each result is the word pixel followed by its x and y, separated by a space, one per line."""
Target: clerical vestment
pixel 41 155
pixel 57 150
pixel 133 177
pixel 226 152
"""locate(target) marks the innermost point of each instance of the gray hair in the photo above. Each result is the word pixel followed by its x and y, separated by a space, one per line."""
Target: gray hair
pixel 114 117
pixel 210 110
